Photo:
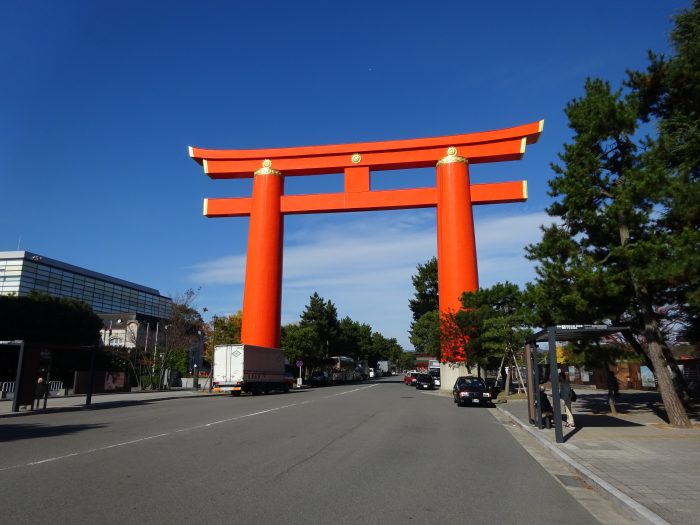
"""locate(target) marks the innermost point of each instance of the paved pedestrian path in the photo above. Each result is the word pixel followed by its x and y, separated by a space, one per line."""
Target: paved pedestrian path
pixel 647 467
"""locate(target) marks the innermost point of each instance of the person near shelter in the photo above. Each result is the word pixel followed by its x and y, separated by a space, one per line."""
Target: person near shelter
pixel 40 391
pixel 613 386
pixel 565 396
pixel 546 409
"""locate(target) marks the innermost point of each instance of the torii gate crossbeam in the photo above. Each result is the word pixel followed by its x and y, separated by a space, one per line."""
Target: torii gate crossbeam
pixel 453 196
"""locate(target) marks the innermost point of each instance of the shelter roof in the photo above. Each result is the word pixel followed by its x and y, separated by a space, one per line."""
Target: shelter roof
pixel 576 332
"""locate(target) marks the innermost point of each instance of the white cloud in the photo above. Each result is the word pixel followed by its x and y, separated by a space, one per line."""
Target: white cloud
pixel 364 263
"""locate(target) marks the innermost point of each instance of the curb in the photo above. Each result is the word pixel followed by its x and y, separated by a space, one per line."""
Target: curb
pixel 621 500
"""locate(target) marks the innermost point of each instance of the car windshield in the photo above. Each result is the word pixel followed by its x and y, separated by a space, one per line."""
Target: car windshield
pixel 424 377
pixel 471 382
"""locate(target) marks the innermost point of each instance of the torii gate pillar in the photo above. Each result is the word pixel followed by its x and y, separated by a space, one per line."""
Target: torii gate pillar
pixel 456 245
pixel 262 296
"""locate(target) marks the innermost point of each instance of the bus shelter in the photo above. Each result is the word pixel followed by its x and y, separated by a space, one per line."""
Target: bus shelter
pixel 550 335
pixel 30 359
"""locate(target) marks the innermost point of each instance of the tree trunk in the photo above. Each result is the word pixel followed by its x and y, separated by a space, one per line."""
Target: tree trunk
pixel 656 348
pixel 675 410
pixel 632 341
pixel 679 382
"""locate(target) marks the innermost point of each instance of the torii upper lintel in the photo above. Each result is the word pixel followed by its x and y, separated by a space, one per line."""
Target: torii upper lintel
pixel 487 146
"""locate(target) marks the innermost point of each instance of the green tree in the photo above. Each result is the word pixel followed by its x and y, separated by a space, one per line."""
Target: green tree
pixel 222 330
pixel 494 321
pixel 425 334
pixel 669 93
pixel 322 317
pixel 425 282
pixel 396 351
pixel 301 343
pixel 40 318
pixel 605 258
pixel 354 339
pixel 183 331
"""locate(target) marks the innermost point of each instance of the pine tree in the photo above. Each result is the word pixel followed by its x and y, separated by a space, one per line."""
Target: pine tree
pixel 425 282
pixel 607 255
pixel 322 317
pixel 424 333
pixel 669 93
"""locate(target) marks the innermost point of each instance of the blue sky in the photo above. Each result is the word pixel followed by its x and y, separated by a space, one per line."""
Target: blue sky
pixel 100 100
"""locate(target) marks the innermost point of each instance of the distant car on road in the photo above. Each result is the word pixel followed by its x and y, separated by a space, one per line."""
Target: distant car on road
pixel 425 382
pixel 469 390
pixel 410 378
pixel 436 376
pixel 320 378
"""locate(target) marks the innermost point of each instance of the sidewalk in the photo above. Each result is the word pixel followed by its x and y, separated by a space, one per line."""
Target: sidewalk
pixel 635 459
pixel 62 403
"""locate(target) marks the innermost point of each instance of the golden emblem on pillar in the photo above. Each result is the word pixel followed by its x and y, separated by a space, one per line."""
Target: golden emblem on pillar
pixel 451 157
pixel 266 169
pixel 356 158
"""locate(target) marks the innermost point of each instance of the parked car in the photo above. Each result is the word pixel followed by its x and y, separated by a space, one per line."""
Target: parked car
pixel 425 382
pixel 469 390
pixel 320 378
pixel 372 374
pixel 436 377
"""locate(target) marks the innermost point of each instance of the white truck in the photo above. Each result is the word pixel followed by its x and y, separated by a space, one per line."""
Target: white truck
pixel 247 368
pixel 383 368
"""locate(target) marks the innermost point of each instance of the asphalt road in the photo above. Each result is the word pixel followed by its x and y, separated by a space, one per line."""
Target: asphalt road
pixel 379 452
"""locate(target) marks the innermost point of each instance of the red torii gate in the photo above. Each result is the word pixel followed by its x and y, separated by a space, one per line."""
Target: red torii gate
pixel 453 196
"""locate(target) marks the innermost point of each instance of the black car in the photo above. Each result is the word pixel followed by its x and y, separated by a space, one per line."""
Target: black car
pixel 470 390
pixel 320 378
pixel 425 382
pixel 493 387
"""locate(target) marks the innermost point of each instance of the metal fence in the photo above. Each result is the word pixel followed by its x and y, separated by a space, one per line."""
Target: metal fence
pixel 8 387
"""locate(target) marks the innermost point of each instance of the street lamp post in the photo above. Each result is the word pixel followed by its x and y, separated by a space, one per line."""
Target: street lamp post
pixel 155 350
pixel 196 378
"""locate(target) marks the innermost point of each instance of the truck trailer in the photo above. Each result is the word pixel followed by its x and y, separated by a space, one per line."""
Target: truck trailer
pixel 248 368
pixel 383 368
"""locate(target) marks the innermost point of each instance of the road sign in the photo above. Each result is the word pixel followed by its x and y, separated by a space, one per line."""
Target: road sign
pixel 300 363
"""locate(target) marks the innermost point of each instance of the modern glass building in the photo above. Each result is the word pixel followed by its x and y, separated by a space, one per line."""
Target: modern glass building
pixel 21 272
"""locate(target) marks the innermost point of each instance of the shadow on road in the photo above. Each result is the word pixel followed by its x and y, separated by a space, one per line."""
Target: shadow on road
pixel 101 405
pixel 632 403
pixel 601 421
pixel 15 432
